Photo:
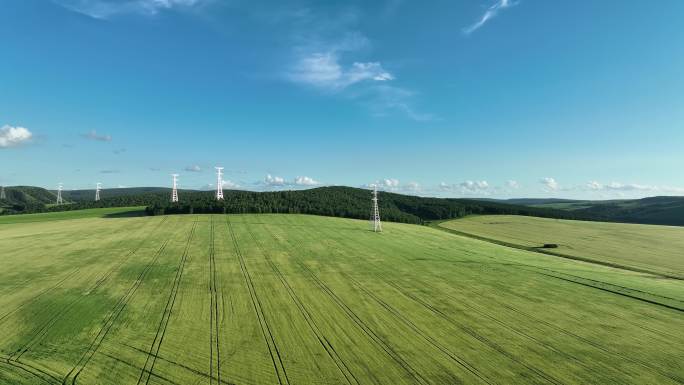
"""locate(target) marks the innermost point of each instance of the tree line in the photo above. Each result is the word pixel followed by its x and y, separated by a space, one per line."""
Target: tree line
pixel 347 202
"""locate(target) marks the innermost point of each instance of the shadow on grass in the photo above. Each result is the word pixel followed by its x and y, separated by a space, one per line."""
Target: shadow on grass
pixel 126 214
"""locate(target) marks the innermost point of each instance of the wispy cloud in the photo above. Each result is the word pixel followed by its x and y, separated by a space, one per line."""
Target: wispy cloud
pixel 489 14
pixel 194 168
pixel 383 100
pixel 119 151
pixel 11 136
pixel 323 70
pixel 93 135
pixel 103 9
pixel 109 172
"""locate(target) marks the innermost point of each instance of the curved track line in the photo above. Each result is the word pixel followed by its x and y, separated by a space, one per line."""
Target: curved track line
pixel 166 316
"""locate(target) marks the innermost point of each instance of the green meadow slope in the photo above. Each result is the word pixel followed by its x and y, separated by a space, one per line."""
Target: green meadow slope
pixel 295 299
pixel 648 248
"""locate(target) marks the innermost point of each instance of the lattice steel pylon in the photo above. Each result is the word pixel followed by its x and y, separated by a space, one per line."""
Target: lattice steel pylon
pixel 219 183
pixel 98 187
pixel 2 192
pixel 375 212
pixel 59 194
pixel 174 193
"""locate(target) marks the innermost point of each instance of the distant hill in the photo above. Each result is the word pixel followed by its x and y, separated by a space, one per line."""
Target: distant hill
pixel 662 210
pixel 539 201
pixel 22 198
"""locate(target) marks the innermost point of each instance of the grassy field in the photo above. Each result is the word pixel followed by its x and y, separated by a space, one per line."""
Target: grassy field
pixel 75 214
pixel 655 249
pixel 293 299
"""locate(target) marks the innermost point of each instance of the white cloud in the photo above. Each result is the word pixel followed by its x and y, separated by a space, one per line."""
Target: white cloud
pixel 227 184
pixel 550 184
pixel 93 135
pixel 103 9
pixel 274 180
pixel 513 184
pixel 323 70
pixel 467 187
pixel 632 187
pixel 11 136
pixel 393 184
pixel 305 181
pixel 489 14
pixel 194 168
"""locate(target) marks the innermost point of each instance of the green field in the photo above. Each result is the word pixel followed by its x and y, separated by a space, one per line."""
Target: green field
pixel 648 248
pixel 294 299
pixel 75 214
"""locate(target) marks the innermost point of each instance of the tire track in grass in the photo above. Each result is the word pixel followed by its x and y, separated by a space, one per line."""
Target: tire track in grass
pixel 508 327
pixel 379 341
pixel 175 364
pixel 45 328
pixel 472 333
pixel 110 321
pixel 278 366
pixel 146 371
pixel 214 336
pixel 327 346
pixel 398 315
pixel 44 375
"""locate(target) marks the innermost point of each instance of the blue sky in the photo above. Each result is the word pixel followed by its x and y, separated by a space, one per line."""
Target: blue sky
pixel 496 98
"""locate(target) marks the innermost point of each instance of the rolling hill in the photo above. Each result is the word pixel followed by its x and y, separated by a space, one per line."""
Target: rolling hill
pixel 660 210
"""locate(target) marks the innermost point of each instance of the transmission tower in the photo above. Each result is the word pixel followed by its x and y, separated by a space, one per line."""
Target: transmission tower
pixel 219 183
pixel 98 187
pixel 59 194
pixel 2 193
pixel 375 213
pixel 174 193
